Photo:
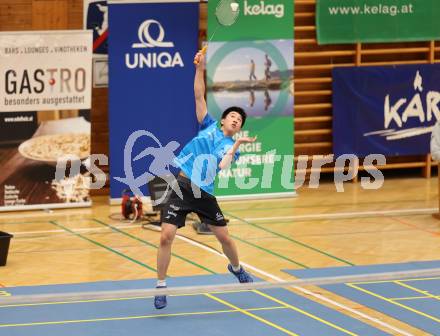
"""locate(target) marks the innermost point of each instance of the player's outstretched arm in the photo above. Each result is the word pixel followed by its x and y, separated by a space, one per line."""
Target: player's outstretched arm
pixel 199 86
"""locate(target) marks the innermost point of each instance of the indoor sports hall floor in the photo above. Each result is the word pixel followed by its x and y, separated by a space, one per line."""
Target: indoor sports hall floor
pixel 318 233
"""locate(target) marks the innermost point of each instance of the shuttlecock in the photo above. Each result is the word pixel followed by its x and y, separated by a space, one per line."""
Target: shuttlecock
pixel 234 6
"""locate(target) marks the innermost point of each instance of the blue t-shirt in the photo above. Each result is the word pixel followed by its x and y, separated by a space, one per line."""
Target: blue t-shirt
pixel 200 158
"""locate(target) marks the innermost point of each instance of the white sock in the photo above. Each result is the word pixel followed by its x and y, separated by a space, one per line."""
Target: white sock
pixel 161 283
pixel 236 268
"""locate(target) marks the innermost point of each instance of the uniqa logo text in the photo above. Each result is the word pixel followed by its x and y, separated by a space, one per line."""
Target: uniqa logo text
pixel 153 60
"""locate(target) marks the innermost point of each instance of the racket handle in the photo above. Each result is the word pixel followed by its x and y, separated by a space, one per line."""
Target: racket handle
pixel 203 51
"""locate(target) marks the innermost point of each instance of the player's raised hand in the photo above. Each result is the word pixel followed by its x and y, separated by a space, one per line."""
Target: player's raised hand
pixel 246 139
pixel 199 58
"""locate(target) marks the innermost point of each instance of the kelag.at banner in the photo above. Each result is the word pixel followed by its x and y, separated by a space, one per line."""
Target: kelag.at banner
pixel 151 96
pixel 251 66
pixel 351 21
pixel 385 110
pixel 45 90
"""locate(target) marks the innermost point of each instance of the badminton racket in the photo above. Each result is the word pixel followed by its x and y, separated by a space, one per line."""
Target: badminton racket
pixel 226 13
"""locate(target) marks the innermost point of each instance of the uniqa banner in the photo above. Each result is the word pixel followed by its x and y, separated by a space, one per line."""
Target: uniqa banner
pixel 387 110
pixel 151 93
pixel 251 66
pixel 45 105
pixel 352 21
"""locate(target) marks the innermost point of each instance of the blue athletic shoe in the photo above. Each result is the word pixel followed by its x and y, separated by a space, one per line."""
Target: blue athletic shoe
pixel 160 301
pixel 241 275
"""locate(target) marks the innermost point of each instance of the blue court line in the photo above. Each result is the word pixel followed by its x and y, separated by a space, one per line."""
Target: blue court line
pixel 422 313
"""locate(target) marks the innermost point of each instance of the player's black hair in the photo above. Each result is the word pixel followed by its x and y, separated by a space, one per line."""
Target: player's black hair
pixel 237 109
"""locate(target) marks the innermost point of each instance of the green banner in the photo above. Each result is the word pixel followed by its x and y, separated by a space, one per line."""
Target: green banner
pixel 265 166
pixel 251 66
pixel 352 21
pixel 257 20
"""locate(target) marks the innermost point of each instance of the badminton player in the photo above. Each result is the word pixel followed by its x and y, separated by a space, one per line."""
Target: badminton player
pixel 210 151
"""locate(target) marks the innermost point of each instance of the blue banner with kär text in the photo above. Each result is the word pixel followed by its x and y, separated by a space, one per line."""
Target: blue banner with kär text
pixel 387 110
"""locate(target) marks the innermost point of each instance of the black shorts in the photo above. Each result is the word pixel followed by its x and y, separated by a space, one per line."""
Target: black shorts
pixel 205 206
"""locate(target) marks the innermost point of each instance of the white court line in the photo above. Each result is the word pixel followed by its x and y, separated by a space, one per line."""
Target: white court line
pixel 421 211
pixel 46 213
pixel 305 291
pixel 80 230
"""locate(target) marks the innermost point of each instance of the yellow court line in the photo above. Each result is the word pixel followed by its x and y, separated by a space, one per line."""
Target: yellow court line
pixel 386 281
pixel 393 302
pixel 305 313
pixel 421 279
pixel 106 300
pixel 136 317
pixel 271 324
pixel 216 292
pixel 416 289
pixel 67 302
pixel 414 298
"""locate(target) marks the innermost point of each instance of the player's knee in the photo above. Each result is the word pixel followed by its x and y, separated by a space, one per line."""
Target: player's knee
pixel 166 239
pixel 224 239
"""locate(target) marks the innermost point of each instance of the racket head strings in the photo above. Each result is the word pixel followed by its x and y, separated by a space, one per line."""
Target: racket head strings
pixel 227 12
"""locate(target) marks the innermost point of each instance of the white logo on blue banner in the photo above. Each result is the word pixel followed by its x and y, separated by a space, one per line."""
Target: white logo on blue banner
pixel 152 59
pixel 149 41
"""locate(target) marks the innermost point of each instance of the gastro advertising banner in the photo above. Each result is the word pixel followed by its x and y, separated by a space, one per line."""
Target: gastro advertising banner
pixel 251 66
pixel 45 71
pixel 151 92
pixel 45 91
pixel 351 21
pixel 387 110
